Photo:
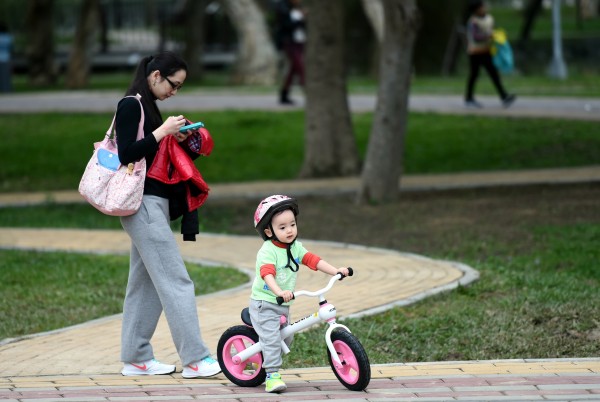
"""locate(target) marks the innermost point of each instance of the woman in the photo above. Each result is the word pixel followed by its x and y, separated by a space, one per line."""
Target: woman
pixel 480 27
pixel 292 36
pixel 158 279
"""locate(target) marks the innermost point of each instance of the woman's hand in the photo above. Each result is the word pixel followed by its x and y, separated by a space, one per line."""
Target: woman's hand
pixel 171 126
pixel 182 136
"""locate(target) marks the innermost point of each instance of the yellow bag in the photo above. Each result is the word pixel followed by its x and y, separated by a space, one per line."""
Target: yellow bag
pixel 499 38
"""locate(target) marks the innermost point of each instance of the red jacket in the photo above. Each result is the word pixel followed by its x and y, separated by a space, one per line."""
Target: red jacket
pixel 173 165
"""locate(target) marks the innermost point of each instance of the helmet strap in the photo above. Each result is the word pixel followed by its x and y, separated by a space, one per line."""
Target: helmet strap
pixel 290 257
pixel 273 236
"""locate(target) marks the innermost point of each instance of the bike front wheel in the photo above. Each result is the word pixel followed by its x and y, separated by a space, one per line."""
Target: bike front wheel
pixel 249 373
pixel 355 372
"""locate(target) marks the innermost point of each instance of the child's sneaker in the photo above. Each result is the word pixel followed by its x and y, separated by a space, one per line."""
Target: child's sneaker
pixel 206 367
pixel 275 383
pixel 150 367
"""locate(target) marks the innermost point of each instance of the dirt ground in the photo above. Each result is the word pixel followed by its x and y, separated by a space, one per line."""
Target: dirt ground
pixel 432 223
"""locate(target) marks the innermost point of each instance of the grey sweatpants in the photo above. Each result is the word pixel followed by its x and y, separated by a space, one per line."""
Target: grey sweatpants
pixel 265 318
pixel 158 280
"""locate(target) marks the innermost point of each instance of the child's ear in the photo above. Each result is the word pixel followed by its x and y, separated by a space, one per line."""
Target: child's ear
pixel 268 233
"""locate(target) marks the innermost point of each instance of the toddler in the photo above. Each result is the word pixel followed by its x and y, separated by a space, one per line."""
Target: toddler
pixel 277 264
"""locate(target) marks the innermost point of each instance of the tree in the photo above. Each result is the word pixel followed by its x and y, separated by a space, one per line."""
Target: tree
pixel 438 25
pixel 40 42
pixel 330 146
pixel 383 164
pixel 374 11
pixel 256 59
pixel 587 9
pixel 187 17
pixel 440 43
pixel 194 27
pixel 78 70
pixel 532 10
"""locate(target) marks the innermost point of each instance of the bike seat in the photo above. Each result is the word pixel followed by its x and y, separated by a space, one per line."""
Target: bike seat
pixel 246 316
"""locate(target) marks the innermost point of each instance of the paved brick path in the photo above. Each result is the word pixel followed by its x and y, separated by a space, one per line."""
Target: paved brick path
pixel 536 380
pixel 94 348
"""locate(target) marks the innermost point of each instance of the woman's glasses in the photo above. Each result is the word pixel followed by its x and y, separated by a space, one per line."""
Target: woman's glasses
pixel 175 87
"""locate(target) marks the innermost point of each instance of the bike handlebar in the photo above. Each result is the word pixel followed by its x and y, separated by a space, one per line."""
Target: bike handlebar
pixel 335 277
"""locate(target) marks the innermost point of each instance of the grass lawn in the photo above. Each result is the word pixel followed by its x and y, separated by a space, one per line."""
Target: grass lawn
pixel 51 150
pixel 45 291
pixel 534 305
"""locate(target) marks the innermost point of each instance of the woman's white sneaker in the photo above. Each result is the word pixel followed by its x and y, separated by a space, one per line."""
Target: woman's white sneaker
pixel 150 367
pixel 206 367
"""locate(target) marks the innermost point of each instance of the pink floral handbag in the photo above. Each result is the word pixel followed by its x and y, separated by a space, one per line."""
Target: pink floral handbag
pixel 110 187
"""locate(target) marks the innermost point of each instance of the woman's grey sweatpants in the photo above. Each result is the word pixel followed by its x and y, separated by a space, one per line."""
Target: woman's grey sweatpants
pixel 265 319
pixel 158 280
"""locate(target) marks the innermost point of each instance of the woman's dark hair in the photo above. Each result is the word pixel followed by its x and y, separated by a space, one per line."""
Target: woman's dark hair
pixel 474 5
pixel 167 63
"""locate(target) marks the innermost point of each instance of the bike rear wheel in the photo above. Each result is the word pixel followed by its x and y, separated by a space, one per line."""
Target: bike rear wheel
pixel 355 372
pixel 234 340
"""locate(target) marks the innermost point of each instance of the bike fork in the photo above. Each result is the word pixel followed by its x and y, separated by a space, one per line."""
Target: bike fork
pixel 334 356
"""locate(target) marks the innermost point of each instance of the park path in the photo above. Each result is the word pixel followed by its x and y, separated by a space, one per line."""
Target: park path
pixel 384 278
pixel 197 100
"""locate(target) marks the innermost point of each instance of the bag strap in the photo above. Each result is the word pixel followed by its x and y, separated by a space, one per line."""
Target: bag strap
pixel 140 133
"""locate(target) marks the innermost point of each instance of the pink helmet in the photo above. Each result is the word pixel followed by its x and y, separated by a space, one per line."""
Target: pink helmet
pixel 269 207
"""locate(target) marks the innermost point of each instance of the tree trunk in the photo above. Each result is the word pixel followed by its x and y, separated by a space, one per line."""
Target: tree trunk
pixel 588 9
pixel 374 12
pixel 330 146
pixel 438 23
pixel 194 37
pixel 78 71
pixel 256 59
pixel 383 165
pixel 531 12
pixel 40 43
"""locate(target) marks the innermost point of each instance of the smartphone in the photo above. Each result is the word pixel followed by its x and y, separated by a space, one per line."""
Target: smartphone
pixel 193 127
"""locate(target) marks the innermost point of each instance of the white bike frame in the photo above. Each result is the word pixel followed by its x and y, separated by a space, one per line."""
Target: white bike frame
pixel 326 313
